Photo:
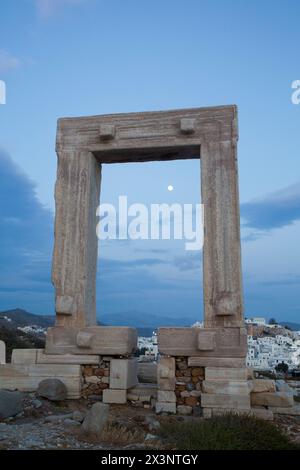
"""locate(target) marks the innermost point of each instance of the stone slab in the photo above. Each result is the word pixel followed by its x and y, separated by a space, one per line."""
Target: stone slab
pixel 224 411
pixel 223 373
pixel 292 411
pixel 165 407
pixel 81 359
pixel 2 352
pixel 26 378
pixel 103 340
pixel 24 356
pixel 262 413
pixel 166 373
pixel 227 387
pixel 123 373
pixel 166 396
pixel 263 385
pixel 144 389
pixel 228 342
pixel 207 413
pixel 276 399
pixel 184 410
pixel 147 372
pixel 114 396
pixel 232 362
pixel 215 400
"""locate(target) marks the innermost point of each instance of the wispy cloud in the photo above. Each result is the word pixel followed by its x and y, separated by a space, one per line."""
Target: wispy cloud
pixel 26 229
pixel 276 210
pixel 189 262
pixel 48 8
pixel 290 280
pixel 8 61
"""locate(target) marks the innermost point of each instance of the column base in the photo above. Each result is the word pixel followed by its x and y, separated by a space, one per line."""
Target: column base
pixel 102 340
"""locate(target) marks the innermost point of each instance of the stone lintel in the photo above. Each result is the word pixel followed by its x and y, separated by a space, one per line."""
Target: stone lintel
pixel 226 342
pixel 104 340
pixel 148 136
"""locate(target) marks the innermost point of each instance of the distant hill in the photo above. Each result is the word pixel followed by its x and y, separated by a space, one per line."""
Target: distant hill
pixel 16 339
pixel 22 318
pixel 142 320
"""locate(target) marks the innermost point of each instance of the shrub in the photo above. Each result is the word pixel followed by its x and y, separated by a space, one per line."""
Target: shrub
pixel 228 432
pixel 16 339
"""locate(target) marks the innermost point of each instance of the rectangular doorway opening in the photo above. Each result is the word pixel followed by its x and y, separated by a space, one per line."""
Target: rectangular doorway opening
pixel 144 282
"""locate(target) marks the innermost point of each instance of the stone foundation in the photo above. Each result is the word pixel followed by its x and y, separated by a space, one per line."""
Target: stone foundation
pixel 105 377
pixel 187 389
pixel 95 378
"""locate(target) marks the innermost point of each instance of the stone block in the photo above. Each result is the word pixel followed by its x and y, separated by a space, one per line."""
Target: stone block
pixel 114 396
pixel 262 413
pixel 206 340
pixel 207 413
pixel 227 387
pixel 142 390
pixel 192 401
pixel 165 407
pixel 184 410
pixel 2 352
pixel 95 420
pixel 291 411
pixel 166 395
pixel 123 373
pixel 282 386
pixel 276 399
pixel 24 356
pixel 228 342
pixel 107 131
pixel 187 125
pixel 215 400
pixel 235 411
pixel 83 359
pixel 232 362
pixel 147 372
pixel 84 339
pixel 104 340
pixel 10 403
pixel 166 373
pixel 26 378
pixel 263 385
pixel 223 373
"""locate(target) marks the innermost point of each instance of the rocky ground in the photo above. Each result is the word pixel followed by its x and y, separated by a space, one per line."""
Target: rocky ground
pixel 43 424
pixel 58 425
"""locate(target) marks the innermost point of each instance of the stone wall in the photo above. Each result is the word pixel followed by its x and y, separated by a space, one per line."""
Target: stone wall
pixel 188 386
pixel 95 378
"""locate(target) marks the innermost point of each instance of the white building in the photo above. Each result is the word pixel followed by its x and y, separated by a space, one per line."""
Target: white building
pixel 266 352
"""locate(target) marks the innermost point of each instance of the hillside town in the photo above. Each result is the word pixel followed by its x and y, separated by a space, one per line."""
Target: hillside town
pixel 269 344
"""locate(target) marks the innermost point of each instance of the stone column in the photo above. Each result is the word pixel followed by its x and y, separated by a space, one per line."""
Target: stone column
pixel 77 193
pixel 223 299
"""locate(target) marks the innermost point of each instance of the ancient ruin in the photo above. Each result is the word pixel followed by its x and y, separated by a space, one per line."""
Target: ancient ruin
pixel 201 370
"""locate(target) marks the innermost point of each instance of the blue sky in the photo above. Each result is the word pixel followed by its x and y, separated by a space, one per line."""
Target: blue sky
pixel 83 57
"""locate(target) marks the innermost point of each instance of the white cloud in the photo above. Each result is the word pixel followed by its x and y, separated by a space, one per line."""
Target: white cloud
pixel 47 8
pixel 8 61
